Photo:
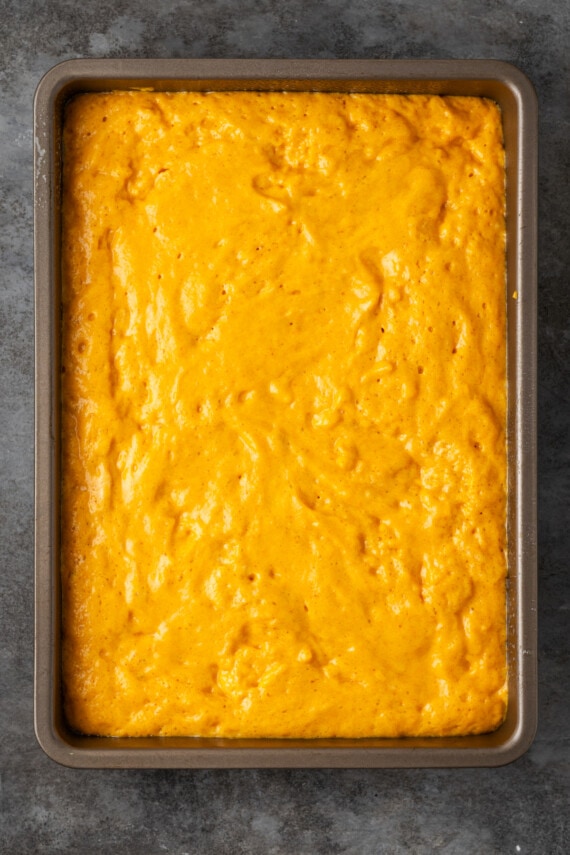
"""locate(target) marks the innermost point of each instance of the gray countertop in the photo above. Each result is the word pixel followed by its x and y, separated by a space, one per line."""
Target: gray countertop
pixel 521 808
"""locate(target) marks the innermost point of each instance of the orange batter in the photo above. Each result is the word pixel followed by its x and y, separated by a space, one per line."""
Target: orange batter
pixel 283 415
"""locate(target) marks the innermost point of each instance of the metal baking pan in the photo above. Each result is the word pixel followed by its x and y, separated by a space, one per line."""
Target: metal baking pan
pixel 515 95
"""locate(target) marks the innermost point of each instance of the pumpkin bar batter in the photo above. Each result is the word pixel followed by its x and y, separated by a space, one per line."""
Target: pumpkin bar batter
pixel 283 415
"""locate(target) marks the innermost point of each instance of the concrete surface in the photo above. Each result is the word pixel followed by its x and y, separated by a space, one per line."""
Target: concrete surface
pixel 45 808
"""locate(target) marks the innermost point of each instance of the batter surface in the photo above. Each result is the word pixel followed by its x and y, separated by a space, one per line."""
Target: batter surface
pixel 283 415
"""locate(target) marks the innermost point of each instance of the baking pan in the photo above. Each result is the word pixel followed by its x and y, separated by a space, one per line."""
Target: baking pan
pixel 515 95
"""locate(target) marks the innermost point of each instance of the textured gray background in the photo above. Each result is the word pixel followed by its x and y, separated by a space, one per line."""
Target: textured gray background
pixel 44 808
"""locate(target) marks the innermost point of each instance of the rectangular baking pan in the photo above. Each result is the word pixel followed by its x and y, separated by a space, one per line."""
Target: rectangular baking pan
pixel 515 95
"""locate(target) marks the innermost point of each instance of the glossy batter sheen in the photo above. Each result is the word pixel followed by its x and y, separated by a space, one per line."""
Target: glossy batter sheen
pixel 283 415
